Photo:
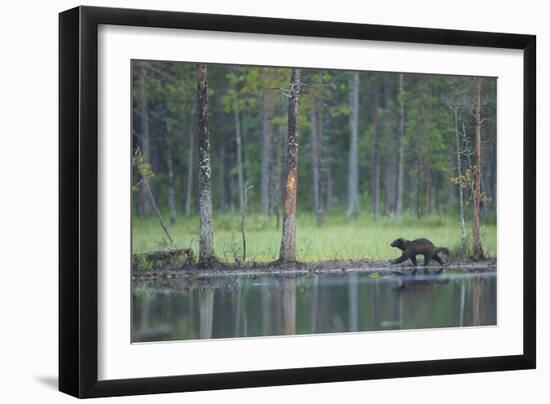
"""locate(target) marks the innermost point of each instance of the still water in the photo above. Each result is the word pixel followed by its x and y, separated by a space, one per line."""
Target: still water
pixel 274 304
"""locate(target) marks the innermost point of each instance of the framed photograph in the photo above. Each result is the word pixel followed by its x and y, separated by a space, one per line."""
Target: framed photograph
pixel 252 201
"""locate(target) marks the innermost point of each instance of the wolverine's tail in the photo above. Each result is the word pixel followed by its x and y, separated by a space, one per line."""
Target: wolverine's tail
pixel 443 250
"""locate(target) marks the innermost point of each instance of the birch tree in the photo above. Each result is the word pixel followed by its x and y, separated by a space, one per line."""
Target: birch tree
pixel 206 244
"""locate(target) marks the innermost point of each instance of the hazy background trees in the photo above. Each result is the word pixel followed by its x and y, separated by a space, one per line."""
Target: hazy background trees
pixel 385 144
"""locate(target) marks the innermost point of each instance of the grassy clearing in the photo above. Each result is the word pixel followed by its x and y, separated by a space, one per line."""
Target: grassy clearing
pixel 338 238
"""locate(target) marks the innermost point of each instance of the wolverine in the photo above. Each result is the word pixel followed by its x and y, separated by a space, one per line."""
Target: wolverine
pixel 420 246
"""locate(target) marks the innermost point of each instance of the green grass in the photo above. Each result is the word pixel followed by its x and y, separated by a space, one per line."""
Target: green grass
pixel 338 238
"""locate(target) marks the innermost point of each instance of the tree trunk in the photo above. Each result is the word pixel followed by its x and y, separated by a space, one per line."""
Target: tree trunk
pixel 477 249
pixel 144 201
pixel 171 190
pixel 321 159
pixel 460 190
pixel 276 181
pixel 288 242
pixel 266 152
pixel 316 166
pixel 222 176
pixel 239 159
pixel 428 199
pixel 401 149
pixel 353 170
pixel 376 155
pixel 419 175
pixel 206 245
pixel 189 192
pixel 389 186
pixel 410 192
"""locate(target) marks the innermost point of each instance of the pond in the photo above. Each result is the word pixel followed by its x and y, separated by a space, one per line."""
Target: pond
pixel 287 304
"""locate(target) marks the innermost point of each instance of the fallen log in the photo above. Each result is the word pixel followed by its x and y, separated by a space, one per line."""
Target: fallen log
pixel 163 259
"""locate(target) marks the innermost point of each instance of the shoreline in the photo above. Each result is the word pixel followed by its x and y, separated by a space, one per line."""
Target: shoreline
pixel 220 269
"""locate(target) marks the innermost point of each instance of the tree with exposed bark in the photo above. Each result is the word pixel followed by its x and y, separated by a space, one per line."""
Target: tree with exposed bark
pixel 206 245
pixel 288 241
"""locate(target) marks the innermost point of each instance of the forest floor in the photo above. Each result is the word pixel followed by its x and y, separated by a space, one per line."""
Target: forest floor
pixel 337 240
pixel 374 268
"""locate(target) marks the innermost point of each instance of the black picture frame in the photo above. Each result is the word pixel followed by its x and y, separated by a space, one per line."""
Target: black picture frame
pixel 78 201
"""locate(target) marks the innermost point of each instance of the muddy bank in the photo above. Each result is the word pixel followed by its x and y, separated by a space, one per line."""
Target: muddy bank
pixel 329 266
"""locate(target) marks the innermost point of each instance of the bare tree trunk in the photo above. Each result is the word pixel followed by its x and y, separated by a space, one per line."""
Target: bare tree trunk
pixel 171 190
pixel 222 177
pixel 206 246
pixel 410 192
pixel 189 171
pixel 144 201
pixel 428 199
pixel 419 174
pixel 376 156
pixel 321 159
pixel 239 159
pixel 316 166
pixel 477 249
pixel 276 180
pixel 329 202
pixel 389 185
pixel 401 148
pixel 353 171
pixel 326 164
pixel 243 218
pixel 460 191
pixel 288 242
pixel 266 151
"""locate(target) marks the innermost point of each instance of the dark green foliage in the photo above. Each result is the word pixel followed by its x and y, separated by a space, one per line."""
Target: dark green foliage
pixel 430 184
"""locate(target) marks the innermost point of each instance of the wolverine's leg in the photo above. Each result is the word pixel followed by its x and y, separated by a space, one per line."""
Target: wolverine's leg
pixel 438 259
pixel 427 259
pixel 400 259
pixel 413 259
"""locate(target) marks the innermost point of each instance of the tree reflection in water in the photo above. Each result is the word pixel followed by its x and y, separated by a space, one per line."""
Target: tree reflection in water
pixel 266 304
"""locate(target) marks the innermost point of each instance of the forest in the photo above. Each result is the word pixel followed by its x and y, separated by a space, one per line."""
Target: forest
pixel 250 163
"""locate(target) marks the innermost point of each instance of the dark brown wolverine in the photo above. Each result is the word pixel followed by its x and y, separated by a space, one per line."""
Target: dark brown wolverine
pixel 420 246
